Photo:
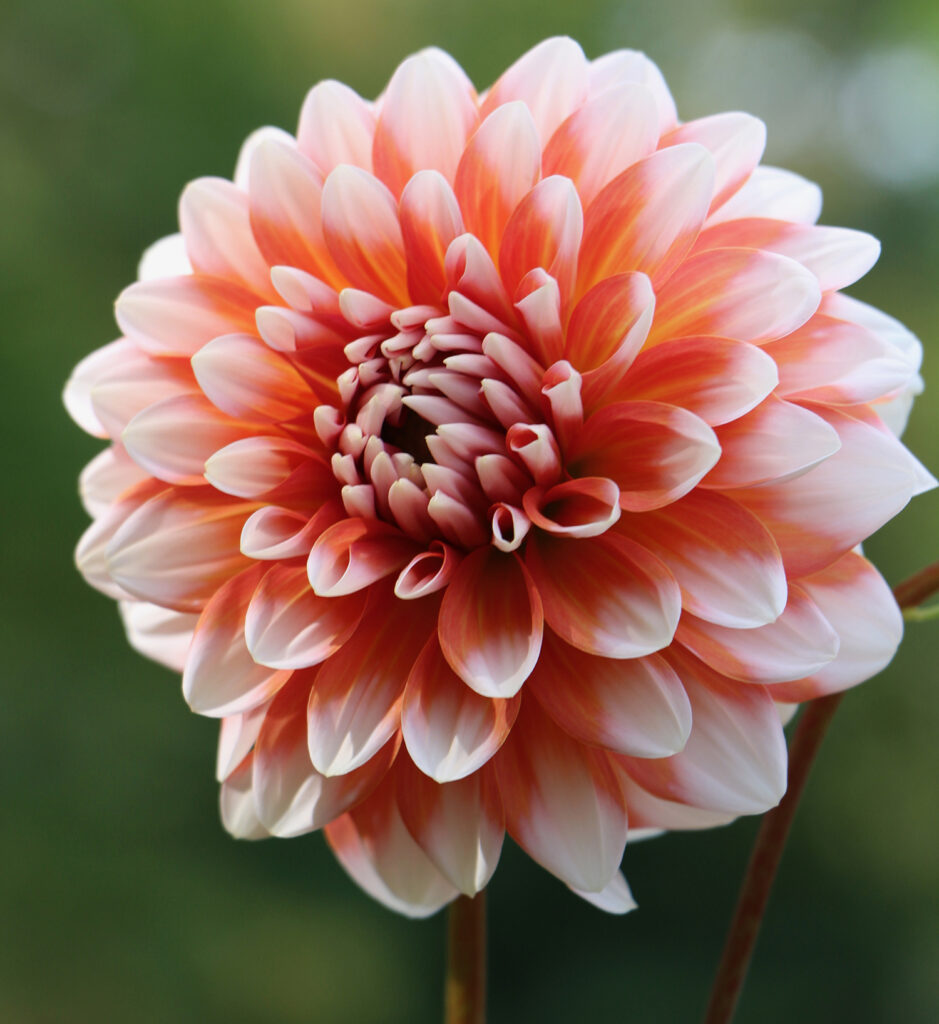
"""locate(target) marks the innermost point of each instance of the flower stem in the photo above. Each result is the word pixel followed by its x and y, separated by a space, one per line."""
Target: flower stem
pixel 771 838
pixel 465 993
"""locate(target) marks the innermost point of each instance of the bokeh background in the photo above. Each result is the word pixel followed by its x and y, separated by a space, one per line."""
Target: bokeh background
pixel 121 899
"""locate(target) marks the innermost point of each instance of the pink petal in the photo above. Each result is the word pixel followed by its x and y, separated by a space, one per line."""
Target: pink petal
pixel 606 595
pixel 164 258
pixel 360 224
pixel 355 706
pixel 736 141
pixel 179 547
pixel 430 220
pixel 749 295
pixel 427 114
pixel 450 730
pixel 538 301
pixel 563 804
pixel 459 825
pixel 632 706
pixel 106 477
pixel 798 643
pixel 622 66
pixel 773 192
pixel 648 217
pixel 290 796
pixel 288 626
pixel 584 507
pixel 836 256
pixel 500 165
pixel 178 315
pixel 725 560
pixel 336 127
pixel 656 453
pixel 354 554
pixel 544 231
pixel 735 759
pixel 715 378
pixel 220 677
pixel 551 79
pixel 603 137
pixel 214 219
pixel 158 633
pixel 854 598
pixel 491 623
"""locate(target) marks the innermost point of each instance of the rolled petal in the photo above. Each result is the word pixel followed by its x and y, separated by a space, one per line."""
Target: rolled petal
pixel 273 532
pixel 355 553
pixel 427 572
pixel 605 595
pixel 450 731
pixel 584 507
pixel 632 706
pixel 491 623
pixel 563 804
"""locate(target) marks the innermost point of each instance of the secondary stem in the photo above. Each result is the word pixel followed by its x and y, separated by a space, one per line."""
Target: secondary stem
pixel 771 838
pixel 465 992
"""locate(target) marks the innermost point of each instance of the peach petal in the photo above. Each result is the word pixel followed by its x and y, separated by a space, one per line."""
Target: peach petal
pixel 158 633
pixel 656 453
pixel 538 301
pixel 633 706
pixel 726 561
pixel 354 554
pixel 273 532
pixel 427 114
pixel 336 127
pixel 491 623
pixel 164 258
pixel 451 731
pixel 773 192
pixel 624 66
pixel 236 738
pixel 650 815
pixel 563 803
pixel 648 217
pixel 605 595
pixel 221 678
pixel 430 220
pixel 253 466
pixel 584 507
pixel 106 477
pixel 236 804
pixel 459 825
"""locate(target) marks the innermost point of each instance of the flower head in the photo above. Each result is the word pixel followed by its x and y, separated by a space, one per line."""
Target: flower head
pixel 495 462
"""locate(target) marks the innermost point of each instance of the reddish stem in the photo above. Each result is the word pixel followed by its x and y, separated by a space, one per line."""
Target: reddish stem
pixel 465 991
pixel 771 838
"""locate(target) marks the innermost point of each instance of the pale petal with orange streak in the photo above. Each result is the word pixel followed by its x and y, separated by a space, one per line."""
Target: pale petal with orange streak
pixel 176 316
pixel 459 825
pixel 655 452
pixel 252 466
pixel 285 190
pixel 773 442
pixel 430 220
pixel 735 140
pixel 287 626
pixel 600 139
pixel 838 362
pixel 836 256
pixel 735 759
pixel 336 127
pixel 623 66
pixel 800 642
pixel 373 845
pixel 820 515
pixel 214 217
pixel 551 79
pixel 605 595
pixel 291 797
pixel 773 192
pixel 491 623
pixel 856 600
pixel 355 553
pixel 563 803
pixel 221 678
pixel 632 706
pixel 428 112
pixel 274 532
pixel 179 547
pixel 450 731
pixel 158 633
pixel 743 294
pixel 544 230
pixel 355 706
pixel 726 562
pixel 363 235
pixel 648 217
pixel 106 477
pixel 173 438
pixel 715 378
pixel 243 377
pixel 500 165
pixel 236 804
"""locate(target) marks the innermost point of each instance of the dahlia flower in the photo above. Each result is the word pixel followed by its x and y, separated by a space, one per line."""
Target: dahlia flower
pixel 498 462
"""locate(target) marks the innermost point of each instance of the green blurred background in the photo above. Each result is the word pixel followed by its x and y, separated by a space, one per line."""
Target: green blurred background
pixel 121 899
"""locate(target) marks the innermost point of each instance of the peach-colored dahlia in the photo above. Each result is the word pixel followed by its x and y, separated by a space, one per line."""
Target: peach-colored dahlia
pixel 498 462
